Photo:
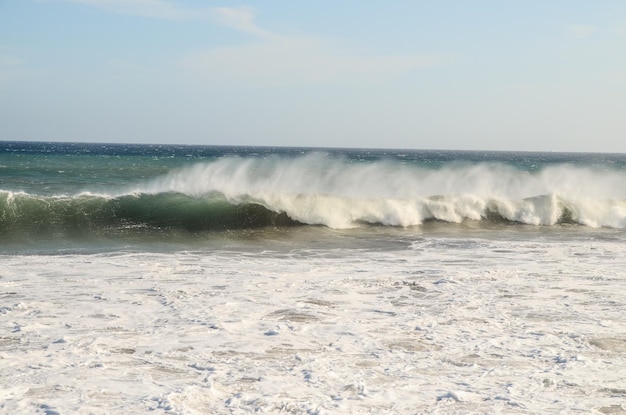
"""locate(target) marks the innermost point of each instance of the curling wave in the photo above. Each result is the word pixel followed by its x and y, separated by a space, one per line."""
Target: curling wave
pixel 27 216
pixel 335 192
pixel 247 193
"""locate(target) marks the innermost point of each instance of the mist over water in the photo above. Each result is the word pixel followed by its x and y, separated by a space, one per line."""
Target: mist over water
pixel 340 193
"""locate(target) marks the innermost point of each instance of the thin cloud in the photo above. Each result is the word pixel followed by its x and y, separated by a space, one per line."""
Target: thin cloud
pixel 239 18
pixel 272 59
pixel 7 60
pixel 289 61
pixel 157 9
pixel 276 60
pixel 580 31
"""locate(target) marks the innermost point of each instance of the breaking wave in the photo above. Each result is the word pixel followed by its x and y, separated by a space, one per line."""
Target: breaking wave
pixel 246 193
pixel 338 193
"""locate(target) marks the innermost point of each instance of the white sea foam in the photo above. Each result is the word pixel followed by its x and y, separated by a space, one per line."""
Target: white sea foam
pixel 443 325
pixel 317 189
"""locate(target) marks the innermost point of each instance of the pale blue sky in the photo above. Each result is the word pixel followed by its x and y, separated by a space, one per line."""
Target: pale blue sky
pixel 494 75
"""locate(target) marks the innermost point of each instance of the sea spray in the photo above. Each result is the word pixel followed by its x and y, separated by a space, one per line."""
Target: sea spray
pixel 65 191
pixel 339 193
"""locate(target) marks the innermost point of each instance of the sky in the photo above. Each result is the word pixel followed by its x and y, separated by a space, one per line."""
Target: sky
pixel 473 75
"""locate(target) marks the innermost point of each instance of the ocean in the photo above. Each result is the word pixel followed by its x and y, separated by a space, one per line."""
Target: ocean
pixel 182 279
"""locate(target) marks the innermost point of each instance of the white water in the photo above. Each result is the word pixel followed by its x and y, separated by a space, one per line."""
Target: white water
pixel 316 189
pixel 445 325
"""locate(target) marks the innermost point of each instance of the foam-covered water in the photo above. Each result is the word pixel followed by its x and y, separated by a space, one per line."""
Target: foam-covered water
pixel 439 324
pixel 195 280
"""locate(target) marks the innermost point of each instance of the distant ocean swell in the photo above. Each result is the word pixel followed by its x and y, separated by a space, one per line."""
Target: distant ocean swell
pixel 247 193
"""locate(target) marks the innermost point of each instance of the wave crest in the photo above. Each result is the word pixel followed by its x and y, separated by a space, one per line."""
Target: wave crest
pixel 247 193
pixel 317 189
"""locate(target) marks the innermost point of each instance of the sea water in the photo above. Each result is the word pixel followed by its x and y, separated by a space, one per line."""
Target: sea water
pixel 227 280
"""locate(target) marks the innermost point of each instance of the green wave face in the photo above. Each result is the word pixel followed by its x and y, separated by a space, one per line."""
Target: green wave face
pixel 24 216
